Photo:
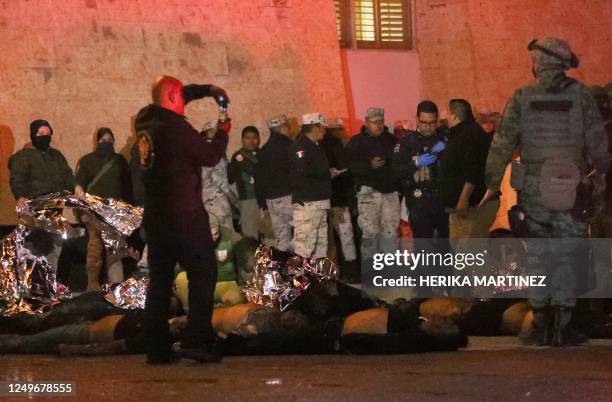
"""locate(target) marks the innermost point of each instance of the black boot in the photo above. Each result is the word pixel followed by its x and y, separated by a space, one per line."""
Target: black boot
pixel 563 335
pixel 350 272
pixel 539 334
pixel 200 353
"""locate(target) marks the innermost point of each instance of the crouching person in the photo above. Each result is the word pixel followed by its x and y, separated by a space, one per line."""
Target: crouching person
pixel 227 290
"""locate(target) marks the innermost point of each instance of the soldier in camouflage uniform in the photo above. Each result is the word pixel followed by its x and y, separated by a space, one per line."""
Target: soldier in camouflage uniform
pixel 343 193
pixel 273 183
pixel 311 182
pixel 370 155
pixel 217 194
pixel 555 125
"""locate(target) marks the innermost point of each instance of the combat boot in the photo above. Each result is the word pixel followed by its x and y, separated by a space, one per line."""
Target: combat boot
pixel 539 334
pixel 351 271
pixel 563 335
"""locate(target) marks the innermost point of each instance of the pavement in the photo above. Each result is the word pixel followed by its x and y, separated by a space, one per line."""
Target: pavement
pixel 490 369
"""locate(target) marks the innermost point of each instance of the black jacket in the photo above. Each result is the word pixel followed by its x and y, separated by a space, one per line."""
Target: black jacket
pixel 343 187
pixel 243 173
pixel 407 150
pixel 34 173
pixel 361 149
pixel 464 160
pixel 272 177
pixel 310 175
pixel 173 174
pixel 115 183
pixel 137 174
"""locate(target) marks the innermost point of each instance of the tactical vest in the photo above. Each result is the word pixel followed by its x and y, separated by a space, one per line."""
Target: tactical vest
pixel 551 127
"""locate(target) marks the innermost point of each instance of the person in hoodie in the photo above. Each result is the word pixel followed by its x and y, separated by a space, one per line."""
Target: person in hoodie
pixel 557 128
pixel 217 194
pixel 370 155
pixel 40 170
pixel 273 182
pixel 172 153
pixel 106 174
pixel 241 171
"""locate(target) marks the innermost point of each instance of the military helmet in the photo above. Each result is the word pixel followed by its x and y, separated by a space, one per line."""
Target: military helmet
pixel 553 51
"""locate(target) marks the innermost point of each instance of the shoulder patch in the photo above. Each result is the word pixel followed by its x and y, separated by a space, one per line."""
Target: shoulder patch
pixel 146 152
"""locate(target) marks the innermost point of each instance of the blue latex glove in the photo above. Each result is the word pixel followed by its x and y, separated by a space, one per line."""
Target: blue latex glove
pixel 439 147
pixel 425 160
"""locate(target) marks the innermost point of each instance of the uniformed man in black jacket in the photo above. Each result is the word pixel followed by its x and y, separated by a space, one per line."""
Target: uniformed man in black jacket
pixel 311 182
pixel 370 157
pixel 343 195
pixel 273 182
pixel 172 154
pixel 415 162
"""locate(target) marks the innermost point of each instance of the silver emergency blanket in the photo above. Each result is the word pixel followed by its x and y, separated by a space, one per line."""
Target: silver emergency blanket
pixel 129 294
pixel 277 285
pixel 118 219
pixel 27 281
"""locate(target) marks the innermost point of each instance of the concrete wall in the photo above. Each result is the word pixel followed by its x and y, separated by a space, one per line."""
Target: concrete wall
pixel 83 64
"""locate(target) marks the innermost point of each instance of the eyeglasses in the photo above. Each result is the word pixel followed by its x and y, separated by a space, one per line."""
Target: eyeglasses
pixel 428 123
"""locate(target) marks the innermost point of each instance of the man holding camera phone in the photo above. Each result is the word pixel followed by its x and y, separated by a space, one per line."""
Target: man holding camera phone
pixel 171 153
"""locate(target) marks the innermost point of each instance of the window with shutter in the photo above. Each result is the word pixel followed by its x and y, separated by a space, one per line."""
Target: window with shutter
pixel 380 24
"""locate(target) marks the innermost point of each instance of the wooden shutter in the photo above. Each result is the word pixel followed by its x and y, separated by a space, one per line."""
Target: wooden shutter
pixel 365 23
pixel 394 23
pixel 382 24
pixel 343 22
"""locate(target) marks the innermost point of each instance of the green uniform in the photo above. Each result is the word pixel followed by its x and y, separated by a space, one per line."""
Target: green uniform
pixel 555 117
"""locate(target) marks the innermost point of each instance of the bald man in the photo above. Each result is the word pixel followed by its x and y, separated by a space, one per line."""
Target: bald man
pixel 171 154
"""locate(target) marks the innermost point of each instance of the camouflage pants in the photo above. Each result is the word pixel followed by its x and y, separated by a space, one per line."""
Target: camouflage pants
pixel 281 215
pixel 220 207
pixel 249 218
pixel 379 218
pixel 553 254
pixel 602 229
pixel 341 221
pixel 310 222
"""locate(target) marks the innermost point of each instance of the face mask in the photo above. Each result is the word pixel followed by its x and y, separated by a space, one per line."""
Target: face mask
pixel 105 148
pixel 41 143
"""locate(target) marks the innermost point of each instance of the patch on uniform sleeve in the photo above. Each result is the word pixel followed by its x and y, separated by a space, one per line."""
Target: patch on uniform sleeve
pixel 146 154
pixel 397 148
pixel 300 154
pixel 551 105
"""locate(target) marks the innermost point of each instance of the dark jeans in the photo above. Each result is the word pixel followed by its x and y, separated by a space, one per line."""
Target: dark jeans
pixel 429 223
pixel 194 251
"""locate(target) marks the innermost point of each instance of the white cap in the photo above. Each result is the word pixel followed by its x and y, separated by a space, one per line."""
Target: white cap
pixel 313 118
